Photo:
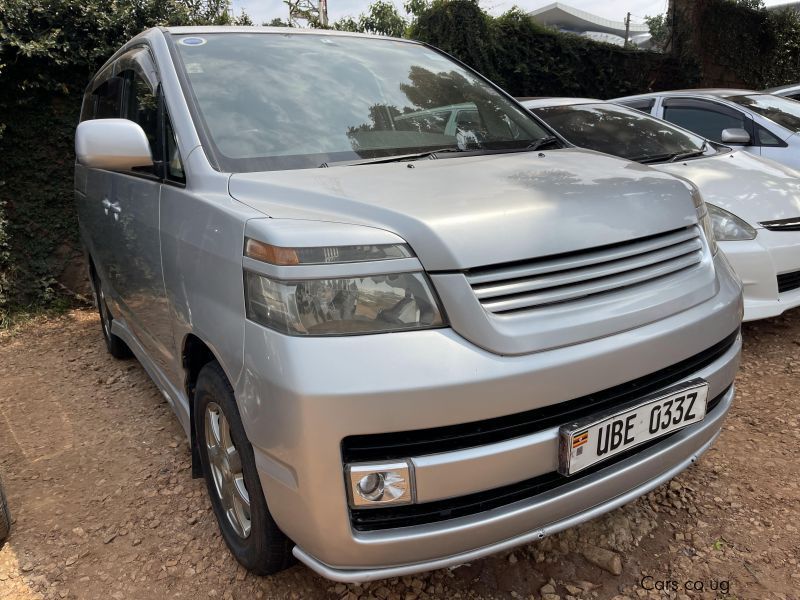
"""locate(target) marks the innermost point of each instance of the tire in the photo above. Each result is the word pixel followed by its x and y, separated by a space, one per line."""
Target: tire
pixel 5 517
pixel 114 344
pixel 250 532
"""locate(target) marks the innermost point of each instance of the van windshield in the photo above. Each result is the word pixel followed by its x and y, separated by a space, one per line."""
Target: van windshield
pixel 269 101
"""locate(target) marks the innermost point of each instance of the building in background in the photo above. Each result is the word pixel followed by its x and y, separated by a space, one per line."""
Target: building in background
pixel 792 5
pixel 572 20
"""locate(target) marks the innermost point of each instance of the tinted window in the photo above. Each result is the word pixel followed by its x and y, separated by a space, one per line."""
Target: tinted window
pixel 704 118
pixel 277 101
pixel 783 111
pixel 174 164
pixel 645 105
pixel 620 131
pixel 141 106
pixel 108 99
pixel 765 138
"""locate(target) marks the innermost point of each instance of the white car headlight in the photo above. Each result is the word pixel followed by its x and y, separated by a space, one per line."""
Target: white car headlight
pixel 342 306
pixel 729 227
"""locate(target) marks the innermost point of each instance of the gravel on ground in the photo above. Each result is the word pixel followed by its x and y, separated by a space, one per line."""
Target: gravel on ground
pixel 97 472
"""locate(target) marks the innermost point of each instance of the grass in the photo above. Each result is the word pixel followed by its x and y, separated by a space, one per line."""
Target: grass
pixel 15 318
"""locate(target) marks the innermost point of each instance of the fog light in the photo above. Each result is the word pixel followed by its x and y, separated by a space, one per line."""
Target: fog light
pixel 379 484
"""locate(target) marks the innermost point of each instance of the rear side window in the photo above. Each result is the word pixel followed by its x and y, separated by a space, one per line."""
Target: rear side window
pixel 645 105
pixel 765 138
pixel 707 119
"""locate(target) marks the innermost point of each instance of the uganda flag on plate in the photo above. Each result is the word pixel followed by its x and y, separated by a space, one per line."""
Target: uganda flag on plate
pixel 580 439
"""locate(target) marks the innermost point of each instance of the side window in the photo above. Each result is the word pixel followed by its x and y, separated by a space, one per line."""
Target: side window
pixel 766 138
pixel 108 99
pixel 645 105
pixel 174 165
pixel 704 118
pixel 141 106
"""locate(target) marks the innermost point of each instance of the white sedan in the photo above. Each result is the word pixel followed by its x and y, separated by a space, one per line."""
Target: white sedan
pixel 754 202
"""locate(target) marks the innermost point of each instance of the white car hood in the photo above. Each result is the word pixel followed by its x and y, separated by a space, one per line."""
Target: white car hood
pixel 753 188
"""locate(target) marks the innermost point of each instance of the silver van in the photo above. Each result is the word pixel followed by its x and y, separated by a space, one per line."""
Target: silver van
pixel 393 348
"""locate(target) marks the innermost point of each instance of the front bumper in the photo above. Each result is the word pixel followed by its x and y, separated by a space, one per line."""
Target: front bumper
pixel 758 263
pixel 300 398
pixel 567 507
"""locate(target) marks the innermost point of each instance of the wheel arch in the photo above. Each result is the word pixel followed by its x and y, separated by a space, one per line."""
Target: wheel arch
pixel 195 354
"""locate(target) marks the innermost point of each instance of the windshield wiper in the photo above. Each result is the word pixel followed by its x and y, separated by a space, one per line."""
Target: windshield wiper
pixel 395 158
pixel 541 143
pixel 671 157
pixel 654 158
pixel 692 154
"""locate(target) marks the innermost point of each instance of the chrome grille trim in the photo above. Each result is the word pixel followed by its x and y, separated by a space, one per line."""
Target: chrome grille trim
pixel 562 279
pixel 792 224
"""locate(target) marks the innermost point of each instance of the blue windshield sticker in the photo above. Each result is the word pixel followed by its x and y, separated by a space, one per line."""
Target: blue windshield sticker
pixel 192 41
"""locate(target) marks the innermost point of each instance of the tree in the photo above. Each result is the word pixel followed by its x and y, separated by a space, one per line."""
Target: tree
pixel 659 30
pixel 48 51
pixel 243 19
pixel 752 4
pixel 381 18
pixel 463 29
pixel 347 24
pixel 416 7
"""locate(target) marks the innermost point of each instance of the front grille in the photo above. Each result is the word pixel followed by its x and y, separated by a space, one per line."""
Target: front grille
pixel 373 519
pixel 401 444
pixel 792 224
pixel 529 285
pixel 788 282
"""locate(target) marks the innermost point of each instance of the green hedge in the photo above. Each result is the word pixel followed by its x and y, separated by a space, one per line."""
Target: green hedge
pixel 530 60
pixel 48 51
pixel 50 48
pixel 739 45
pixel 36 159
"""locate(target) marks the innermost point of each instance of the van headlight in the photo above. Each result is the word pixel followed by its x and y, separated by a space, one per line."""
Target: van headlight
pixel 728 227
pixel 342 306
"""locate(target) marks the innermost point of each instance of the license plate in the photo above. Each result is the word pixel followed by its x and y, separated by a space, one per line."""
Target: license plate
pixel 600 436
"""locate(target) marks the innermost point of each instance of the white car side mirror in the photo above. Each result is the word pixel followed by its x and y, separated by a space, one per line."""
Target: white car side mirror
pixel 734 135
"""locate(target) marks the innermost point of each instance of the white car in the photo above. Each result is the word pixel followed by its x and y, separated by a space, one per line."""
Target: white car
pixel 754 202
pixel 787 91
pixel 757 122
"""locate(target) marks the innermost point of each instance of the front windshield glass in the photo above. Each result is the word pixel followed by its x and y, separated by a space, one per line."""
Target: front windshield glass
pixel 292 100
pixel 620 131
pixel 783 111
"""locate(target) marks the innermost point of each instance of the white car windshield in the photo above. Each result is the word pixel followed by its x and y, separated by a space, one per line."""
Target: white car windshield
pixel 296 100
pixel 622 131
pixel 783 111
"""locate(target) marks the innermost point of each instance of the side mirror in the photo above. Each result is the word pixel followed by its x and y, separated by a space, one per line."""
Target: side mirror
pixel 112 144
pixel 735 135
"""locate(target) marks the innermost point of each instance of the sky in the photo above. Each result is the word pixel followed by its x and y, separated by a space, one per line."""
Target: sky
pixel 266 10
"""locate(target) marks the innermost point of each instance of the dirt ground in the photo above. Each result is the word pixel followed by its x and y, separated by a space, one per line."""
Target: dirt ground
pixel 98 477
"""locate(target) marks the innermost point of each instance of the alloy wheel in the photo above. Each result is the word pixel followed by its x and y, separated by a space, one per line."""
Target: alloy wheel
pixel 226 470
